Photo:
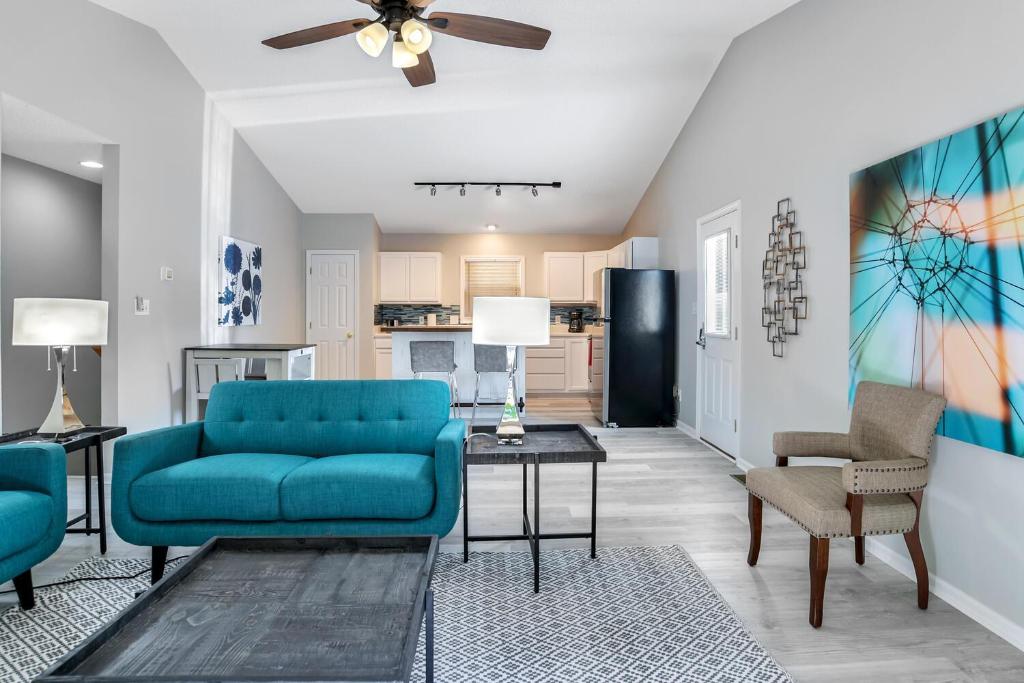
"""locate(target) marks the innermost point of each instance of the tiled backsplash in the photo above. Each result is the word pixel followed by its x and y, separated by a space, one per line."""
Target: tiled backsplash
pixel 410 314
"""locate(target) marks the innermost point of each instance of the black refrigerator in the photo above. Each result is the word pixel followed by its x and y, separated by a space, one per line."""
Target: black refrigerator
pixel 639 313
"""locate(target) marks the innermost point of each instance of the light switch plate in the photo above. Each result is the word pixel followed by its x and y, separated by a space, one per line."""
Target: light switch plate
pixel 141 306
pixel 166 273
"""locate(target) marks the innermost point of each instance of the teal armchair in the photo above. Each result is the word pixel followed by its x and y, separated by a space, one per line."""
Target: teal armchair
pixel 33 511
pixel 314 458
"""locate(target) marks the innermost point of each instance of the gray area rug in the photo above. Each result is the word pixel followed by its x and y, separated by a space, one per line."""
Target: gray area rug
pixel 634 614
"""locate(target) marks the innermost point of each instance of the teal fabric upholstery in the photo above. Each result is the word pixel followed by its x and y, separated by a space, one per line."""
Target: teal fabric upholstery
pixel 33 505
pixel 236 486
pixel 360 458
pixel 364 486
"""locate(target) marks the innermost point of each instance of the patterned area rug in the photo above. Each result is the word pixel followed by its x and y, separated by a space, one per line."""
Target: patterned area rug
pixel 634 614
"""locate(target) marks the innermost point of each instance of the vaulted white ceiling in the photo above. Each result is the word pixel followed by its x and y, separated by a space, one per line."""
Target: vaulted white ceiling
pixel 597 110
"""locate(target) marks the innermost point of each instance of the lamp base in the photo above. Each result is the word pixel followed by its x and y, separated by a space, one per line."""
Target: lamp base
pixel 62 417
pixel 510 430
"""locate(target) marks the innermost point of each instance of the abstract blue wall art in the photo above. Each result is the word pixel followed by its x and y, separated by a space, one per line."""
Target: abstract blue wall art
pixel 240 293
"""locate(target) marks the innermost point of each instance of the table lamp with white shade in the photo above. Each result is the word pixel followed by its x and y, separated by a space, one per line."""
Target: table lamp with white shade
pixel 511 321
pixel 60 324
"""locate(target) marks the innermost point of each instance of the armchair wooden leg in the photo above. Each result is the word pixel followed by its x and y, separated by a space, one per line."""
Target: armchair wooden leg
pixel 818 564
pixel 754 507
pixel 858 548
pixel 913 539
pixel 23 587
pixel 159 560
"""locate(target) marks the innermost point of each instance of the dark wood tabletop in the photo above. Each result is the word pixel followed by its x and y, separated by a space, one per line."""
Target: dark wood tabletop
pixel 71 441
pixel 553 443
pixel 250 347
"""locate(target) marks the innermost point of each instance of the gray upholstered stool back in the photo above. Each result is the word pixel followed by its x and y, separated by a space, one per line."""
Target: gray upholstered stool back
pixel 489 358
pixel 432 356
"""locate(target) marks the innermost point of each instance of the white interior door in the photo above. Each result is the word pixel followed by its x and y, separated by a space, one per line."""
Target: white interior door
pixel 331 312
pixel 718 345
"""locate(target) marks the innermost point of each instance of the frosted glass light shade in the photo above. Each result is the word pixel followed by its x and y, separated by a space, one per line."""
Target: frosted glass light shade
pixel 373 39
pixel 59 322
pixel 416 36
pixel 511 321
pixel 402 57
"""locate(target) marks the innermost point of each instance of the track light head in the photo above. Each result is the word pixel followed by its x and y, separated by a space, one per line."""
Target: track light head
pixel 535 193
pixel 462 191
pixel 497 190
pixel 433 190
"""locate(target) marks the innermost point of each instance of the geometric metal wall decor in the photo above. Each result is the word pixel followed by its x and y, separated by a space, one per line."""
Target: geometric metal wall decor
pixel 937 278
pixel 785 303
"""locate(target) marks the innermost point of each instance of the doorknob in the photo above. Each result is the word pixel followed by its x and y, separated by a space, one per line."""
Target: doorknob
pixel 702 341
pixel 349 335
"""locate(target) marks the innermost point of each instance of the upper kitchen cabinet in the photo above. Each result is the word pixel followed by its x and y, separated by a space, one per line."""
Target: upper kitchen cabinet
pixel 639 252
pixel 563 276
pixel 593 261
pixel 410 277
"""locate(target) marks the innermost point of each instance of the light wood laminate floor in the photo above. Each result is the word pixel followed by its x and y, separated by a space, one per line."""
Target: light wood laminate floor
pixel 662 487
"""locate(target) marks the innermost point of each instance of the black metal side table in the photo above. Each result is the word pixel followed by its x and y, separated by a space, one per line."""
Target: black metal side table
pixel 88 440
pixel 544 444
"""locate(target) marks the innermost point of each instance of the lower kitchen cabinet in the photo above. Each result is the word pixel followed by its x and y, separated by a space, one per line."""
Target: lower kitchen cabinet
pixel 560 367
pixel 382 357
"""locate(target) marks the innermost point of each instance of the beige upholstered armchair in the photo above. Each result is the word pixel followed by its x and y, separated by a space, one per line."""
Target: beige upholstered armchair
pixel 878 493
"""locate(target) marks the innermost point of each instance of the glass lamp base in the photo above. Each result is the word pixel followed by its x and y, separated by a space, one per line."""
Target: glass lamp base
pixel 510 430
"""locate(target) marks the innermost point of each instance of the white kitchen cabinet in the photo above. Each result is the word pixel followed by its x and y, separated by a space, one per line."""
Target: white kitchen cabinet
pixel 641 252
pixel 617 256
pixel 577 370
pixel 593 261
pixel 382 358
pixel 409 277
pixel 597 365
pixel 563 276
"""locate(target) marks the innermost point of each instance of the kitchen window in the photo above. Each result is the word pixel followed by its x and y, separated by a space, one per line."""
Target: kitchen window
pixel 490 276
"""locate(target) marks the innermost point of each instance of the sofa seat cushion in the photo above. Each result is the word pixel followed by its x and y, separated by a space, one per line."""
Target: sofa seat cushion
pixel 24 519
pixel 360 486
pixel 244 487
pixel 815 498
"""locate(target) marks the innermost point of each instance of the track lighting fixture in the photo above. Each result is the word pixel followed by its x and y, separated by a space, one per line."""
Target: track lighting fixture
pixel 462 191
pixel 433 190
pixel 497 190
pixel 463 184
pixel 534 190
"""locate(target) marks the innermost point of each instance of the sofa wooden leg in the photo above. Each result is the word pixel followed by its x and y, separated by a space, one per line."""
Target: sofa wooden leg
pixel 159 560
pixel 754 508
pixel 913 539
pixel 23 587
pixel 818 564
pixel 858 548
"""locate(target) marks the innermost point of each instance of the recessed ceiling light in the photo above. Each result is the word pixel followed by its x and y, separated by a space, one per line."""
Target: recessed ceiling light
pixel 492 228
pixel 92 164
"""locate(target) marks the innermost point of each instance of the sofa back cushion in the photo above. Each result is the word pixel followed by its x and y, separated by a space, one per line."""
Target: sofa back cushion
pixel 318 418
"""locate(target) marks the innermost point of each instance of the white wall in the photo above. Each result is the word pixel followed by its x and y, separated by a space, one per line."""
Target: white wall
pixel 118 79
pixel 349 231
pixel 261 212
pixel 798 103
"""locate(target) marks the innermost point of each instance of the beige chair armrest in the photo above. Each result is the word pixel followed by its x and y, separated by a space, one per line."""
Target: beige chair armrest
pixel 885 476
pixel 811 445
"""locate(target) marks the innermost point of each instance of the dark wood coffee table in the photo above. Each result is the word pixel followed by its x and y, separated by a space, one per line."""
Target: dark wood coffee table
pixel 272 609
pixel 543 444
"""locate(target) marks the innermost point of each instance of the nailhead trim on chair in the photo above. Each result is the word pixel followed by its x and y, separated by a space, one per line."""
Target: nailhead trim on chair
pixel 887 470
pixel 801 525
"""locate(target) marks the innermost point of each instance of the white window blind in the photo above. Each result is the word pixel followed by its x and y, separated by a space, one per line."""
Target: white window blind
pixel 716 285
pixel 490 277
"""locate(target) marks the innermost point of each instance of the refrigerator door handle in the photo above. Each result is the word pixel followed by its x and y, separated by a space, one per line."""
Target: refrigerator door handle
pixel 702 340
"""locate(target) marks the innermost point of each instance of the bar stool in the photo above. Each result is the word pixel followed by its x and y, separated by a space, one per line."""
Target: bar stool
pixel 490 359
pixel 439 357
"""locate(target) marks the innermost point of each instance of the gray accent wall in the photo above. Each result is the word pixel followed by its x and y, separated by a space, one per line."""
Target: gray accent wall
pixel 50 231
pixel 797 104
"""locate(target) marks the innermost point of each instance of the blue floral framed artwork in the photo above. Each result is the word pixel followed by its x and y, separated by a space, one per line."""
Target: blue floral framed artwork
pixel 240 296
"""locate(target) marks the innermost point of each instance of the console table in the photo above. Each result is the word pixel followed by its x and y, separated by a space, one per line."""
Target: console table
pixel 88 440
pixel 543 444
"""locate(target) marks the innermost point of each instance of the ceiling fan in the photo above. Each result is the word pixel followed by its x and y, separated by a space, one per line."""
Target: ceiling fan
pixel 414 34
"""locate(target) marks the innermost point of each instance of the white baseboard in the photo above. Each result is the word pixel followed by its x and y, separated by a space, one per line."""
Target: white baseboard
pixel 1010 631
pixel 689 430
pixel 743 464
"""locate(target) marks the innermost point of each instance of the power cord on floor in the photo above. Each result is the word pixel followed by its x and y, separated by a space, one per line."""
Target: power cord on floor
pixel 99 578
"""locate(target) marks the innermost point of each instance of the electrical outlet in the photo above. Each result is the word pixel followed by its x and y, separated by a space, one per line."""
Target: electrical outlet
pixel 166 273
pixel 141 306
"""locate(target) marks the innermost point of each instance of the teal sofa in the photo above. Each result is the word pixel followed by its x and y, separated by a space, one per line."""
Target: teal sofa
pixel 33 511
pixel 313 458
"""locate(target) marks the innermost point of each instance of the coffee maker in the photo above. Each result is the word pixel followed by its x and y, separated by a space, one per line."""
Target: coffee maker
pixel 576 320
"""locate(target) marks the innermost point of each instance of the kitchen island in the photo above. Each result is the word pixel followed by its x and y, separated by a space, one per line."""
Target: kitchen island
pixel 492 385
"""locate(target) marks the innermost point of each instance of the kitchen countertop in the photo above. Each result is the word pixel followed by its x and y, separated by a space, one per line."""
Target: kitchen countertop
pixel 557 331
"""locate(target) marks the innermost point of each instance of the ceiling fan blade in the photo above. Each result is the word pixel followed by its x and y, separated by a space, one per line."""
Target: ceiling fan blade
pixel 316 34
pixel 490 30
pixel 422 73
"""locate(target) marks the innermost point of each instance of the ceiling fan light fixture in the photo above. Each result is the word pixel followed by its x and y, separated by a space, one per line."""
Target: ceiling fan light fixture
pixel 416 36
pixel 401 56
pixel 373 39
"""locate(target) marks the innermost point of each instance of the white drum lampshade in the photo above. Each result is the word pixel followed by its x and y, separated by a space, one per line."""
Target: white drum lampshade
pixel 511 321
pixel 60 324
